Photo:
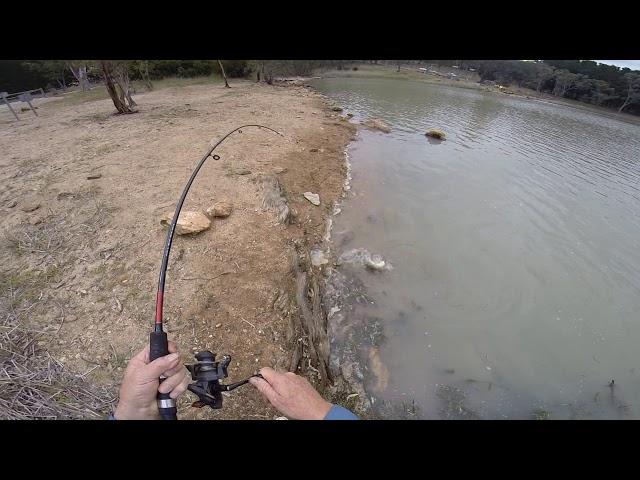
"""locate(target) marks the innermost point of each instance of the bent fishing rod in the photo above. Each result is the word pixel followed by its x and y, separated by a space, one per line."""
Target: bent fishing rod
pixel 207 371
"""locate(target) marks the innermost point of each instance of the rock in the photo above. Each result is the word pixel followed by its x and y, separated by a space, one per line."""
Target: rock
pixel 220 209
pixel 312 197
pixel 318 258
pixel 30 205
pixel 435 133
pixel 188 222
pixel 243 172
pixel 279 170
pixel 94 176
pixel 377 124
pixel 314 150
pixel 337 109
pixel 12 204
pixel 375 263
pixel 349 115
pixel 36 220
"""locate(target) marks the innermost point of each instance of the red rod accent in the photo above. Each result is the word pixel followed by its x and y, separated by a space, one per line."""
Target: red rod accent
pixel 159 307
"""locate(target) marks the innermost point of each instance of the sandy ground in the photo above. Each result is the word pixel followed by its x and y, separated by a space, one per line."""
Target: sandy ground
pixel 86 261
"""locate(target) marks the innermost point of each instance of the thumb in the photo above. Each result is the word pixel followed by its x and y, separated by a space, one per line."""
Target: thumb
pixel 160 365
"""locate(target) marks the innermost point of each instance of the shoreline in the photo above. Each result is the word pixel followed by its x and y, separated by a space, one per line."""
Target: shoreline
pixel 245 287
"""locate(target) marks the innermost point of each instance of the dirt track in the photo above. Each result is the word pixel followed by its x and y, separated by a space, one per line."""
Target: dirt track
pixel 86 261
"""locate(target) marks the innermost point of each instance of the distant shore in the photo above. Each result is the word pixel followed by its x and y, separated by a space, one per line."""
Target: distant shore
pixel 411 74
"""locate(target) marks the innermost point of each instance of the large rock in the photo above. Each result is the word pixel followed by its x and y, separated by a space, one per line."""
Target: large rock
pixel 312 197
pixel 436 133
pixel 221 209
pixel 30 204
pixel 377 124
pixel 188 222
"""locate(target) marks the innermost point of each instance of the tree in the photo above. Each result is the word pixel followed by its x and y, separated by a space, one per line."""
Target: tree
pixel 633 90
pixel 224 75
pixel 79 70
pixel 543 72
pixel 142 69
pixel 116 78
pixel 565 80
pixel 51 70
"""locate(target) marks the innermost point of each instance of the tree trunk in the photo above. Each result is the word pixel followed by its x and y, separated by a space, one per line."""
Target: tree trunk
pixel 80 73
pixel 115 91
pixel 144 73
pixel 626 102
pixel 224 75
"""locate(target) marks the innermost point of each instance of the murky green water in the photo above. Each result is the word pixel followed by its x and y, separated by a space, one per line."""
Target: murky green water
pixel 515 246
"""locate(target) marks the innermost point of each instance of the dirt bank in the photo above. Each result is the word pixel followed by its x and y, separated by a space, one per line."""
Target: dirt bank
pixel 82 267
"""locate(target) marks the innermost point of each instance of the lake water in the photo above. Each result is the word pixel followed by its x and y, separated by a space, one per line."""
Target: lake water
pixel 514 290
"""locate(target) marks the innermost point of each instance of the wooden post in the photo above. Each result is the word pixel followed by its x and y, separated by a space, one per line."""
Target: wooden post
pixel 26 97
pixel 4 97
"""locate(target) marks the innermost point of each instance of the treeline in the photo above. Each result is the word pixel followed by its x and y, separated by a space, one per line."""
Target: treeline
pixel 59 74
pixel 582 80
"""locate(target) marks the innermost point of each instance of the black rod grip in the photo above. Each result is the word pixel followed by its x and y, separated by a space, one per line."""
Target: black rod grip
pixel 159 347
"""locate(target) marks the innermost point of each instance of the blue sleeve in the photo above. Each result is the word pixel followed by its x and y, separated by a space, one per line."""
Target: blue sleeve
pixel 340 413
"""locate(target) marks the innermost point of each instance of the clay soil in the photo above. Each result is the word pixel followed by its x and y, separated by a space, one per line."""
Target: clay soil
pixel 84 264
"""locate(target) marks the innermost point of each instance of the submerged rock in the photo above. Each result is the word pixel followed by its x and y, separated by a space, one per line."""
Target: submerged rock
pixel 188 222
pixel 360 256
pixel 377 124
pixel 312 197
pixel 379 370
pixel 318 258
pixel 436 133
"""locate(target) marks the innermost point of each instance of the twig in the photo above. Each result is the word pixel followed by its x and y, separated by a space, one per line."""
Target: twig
pixel 91 361
pixel 115 354
pixel 207 278
pixel 246 321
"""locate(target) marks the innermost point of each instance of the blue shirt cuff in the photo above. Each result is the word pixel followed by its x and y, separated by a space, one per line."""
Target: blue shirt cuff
pixel 340 413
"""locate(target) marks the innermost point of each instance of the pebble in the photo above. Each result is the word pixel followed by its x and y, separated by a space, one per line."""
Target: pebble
pixel 218 325
pixel 94 176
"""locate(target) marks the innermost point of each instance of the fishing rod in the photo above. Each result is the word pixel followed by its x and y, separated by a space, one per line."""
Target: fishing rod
pixel 207 371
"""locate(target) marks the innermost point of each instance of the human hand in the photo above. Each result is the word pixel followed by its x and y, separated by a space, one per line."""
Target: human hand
pixel 291 394
pixel 141 384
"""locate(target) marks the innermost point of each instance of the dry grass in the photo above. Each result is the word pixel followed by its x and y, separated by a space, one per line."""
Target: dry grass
pixel 33 385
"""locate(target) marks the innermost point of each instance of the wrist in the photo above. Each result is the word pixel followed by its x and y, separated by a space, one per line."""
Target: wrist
pixel 321 411
pixel 124 411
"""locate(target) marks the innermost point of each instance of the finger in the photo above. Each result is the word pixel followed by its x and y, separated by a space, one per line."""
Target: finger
pixel 142 356
pixel 171 382
pixel 180 389
pixel 270 375
pixel 265 389
pixel 160 365
pixel 179 368
pixel 172 347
